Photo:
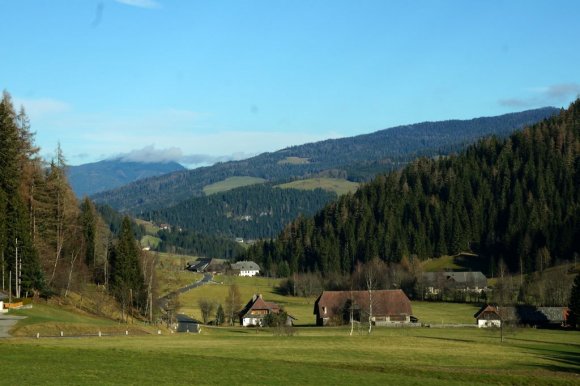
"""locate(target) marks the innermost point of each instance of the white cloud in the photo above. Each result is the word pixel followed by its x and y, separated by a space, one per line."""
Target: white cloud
pixel 150 4
pixel 37 108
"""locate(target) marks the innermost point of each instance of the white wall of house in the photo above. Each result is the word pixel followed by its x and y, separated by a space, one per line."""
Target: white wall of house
pixel 251 322
pixel 482 323
pixel 249 273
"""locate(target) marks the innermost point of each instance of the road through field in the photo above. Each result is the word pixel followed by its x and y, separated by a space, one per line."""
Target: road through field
pixel 6 323
pixel 207 277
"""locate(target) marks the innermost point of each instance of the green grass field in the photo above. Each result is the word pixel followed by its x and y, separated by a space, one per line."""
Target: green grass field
pixel 420 356
pixel 231 183
pixel 337 185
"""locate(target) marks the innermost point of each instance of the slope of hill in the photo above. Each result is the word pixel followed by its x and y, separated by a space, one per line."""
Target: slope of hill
pixel 88 179
pixel 516 200
pixel 257 211
pixel 356 158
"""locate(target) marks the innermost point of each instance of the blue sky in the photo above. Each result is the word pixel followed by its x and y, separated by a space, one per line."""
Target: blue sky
pixel 202 81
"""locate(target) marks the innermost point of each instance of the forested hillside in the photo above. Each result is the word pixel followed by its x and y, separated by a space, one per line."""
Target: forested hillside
pixel 50 243
pixel 357 158
pixel 516 200
pixel 88 179
pixel 258 211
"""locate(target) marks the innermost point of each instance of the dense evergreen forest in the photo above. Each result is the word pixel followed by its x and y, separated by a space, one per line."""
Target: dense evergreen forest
pixel 515 200
pixel 357 158
pixel 193 243
pixel 50 243
pixel 257 211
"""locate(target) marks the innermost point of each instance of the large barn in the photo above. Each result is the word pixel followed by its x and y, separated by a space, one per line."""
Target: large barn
pixel 388 307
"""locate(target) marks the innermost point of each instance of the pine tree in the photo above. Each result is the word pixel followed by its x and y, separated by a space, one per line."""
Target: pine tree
pixel 126 281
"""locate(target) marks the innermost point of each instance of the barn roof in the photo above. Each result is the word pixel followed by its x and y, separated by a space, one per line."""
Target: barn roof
pixel 258 303
pixel 385 302
pixel 246 266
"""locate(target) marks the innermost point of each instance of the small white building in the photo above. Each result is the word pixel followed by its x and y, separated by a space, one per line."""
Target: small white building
pixel 246 268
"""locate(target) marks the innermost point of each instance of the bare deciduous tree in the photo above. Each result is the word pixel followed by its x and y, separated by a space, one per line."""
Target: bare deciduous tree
pixel 233 303
pixel 206 308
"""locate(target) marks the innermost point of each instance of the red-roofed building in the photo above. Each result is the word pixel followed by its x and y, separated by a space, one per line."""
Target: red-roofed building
pixel 388 307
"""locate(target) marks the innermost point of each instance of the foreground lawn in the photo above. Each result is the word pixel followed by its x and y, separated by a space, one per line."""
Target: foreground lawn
pixel 313 356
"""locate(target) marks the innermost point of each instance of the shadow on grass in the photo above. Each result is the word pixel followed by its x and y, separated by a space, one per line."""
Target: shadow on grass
pixel 545 342
pixel 565 361
pixel 447 339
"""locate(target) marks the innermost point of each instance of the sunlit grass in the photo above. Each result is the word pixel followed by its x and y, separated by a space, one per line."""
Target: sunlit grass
pixel 338 185
pixel 312 356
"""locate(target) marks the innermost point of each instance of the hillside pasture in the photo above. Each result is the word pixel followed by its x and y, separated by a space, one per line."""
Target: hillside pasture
pixel 294 161
pixel 460 262
pixel 312 356
pixel 51 319
pixel 338 185
pixel 231 183
pixel 299 307
pixel 171 272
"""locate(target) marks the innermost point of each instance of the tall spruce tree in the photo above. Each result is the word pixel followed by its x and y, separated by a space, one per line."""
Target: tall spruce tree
pixel 126 280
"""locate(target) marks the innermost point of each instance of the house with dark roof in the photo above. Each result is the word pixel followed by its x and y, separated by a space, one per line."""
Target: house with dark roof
pixel 494 316
pixel 245 268
pixel 388 307
pixel 257 309
pixel 200 265
pixel 434 282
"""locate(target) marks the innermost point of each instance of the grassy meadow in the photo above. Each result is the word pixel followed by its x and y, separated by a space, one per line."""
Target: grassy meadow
pixel 231 183
pixel 312 356
pixel 338 185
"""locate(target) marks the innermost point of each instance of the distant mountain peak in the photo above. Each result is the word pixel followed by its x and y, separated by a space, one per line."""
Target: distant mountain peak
pixel 91 178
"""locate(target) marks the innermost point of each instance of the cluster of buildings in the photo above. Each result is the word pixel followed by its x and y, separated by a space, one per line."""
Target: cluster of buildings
pixel 389 307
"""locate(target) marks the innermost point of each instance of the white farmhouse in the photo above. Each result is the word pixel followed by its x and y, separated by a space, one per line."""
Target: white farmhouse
pixel 246 268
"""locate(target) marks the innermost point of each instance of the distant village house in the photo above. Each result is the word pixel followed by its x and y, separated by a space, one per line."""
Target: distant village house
pixel 245 268
pixel 388 307
pixel 435 282
pixel 494 316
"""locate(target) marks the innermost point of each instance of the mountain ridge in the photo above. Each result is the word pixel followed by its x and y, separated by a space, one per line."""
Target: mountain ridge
pixel 88 179
pixel 356 158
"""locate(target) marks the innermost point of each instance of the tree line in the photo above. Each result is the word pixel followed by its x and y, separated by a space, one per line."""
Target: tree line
pixel 515 200
pixel 50 243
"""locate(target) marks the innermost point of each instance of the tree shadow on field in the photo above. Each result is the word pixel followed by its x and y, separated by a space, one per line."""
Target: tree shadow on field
pixel 576 345
pixel 447 339
pixel 562 360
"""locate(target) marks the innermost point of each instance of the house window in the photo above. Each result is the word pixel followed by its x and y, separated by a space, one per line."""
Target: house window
pixel 324 310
